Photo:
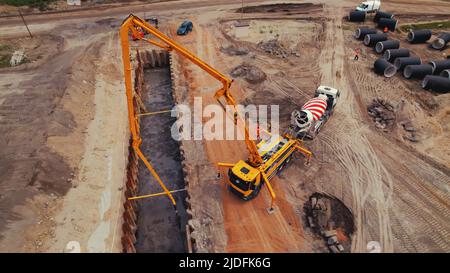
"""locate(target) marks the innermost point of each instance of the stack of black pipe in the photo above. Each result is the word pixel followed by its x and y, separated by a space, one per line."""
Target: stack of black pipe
pixel 372 39
pixel 417 71
pixel 360 33
pixel 385 68
pixel 357 16
pixel 381 14
pixel 401 62
pixel 391 24
pixel 436 83
pixel 419 36
pixel 441 42
pixel 382 46
pixel 391 54
pixel 439 66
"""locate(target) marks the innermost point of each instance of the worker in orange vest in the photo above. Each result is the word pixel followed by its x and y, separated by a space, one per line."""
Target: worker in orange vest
pixel 356 54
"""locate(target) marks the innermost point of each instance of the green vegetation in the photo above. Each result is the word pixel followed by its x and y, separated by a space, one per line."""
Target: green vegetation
pixel 41 4
pixel 4 60
pixel 5 47
pixel 432 25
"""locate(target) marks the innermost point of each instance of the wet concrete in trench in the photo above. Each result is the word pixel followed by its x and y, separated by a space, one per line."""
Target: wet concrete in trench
pixel 160 229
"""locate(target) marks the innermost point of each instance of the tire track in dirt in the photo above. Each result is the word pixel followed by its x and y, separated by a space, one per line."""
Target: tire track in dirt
pixel 371 183
pixel 420 210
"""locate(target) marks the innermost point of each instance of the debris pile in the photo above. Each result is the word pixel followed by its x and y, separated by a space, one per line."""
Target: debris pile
pixel 382 113
pixel 250 73
pixel 274 47
pixel 234 50
pixel 17 58
pixel 410 131
pixel 330 219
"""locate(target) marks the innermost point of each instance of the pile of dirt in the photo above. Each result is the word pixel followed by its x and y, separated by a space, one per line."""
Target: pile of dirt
pixel 410 131
pixel 329 218
pixel 274 47
pixel 234 50
pixel 250 73
pixel 382 113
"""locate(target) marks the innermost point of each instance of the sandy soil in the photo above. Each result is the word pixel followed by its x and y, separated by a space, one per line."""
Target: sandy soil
pixel 380 172
pixel 64 133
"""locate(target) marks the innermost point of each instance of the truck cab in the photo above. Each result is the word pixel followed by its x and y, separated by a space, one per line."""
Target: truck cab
pixel 369 6
pixel 331 93
pixel 276 152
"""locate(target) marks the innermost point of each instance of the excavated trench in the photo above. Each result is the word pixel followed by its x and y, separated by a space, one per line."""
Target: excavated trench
pixel 331 220
pixel 159 227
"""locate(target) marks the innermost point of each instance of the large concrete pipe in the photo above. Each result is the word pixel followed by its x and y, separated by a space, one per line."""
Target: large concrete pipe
pixel 372 39
pixel 381 14
pixel 419 36
pixel 445 73
pixel 441 41
pixel 438 66
pixel 391 24
pixel 382 46
pixel 436 84
pixel 401 62
pixel 385 68
pixel 417 71
pixel 357 16
pixel 360 33
pixel 391 54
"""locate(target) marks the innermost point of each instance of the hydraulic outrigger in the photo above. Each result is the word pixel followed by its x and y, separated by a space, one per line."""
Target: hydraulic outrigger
pixel 262 164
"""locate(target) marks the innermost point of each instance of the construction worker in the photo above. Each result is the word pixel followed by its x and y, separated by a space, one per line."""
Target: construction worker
pixel 356 54
pixel 385 30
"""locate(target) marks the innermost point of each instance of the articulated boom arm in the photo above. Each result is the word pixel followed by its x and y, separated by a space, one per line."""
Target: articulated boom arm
pixel 135 25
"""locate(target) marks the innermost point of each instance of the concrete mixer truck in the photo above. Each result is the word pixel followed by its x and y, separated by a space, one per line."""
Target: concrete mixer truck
pixel 306 122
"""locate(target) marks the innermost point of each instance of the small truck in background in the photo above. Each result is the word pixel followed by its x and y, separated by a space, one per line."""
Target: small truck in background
pixel 369 6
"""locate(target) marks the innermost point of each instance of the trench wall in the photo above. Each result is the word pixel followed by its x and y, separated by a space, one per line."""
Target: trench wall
pixel 204 230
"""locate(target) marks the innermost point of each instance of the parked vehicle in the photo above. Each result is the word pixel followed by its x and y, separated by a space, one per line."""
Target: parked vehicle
pixel 369 6
pixel 185 28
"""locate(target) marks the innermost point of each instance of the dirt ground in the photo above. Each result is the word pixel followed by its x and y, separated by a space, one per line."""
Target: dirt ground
pixel 381 174
pixel 64 134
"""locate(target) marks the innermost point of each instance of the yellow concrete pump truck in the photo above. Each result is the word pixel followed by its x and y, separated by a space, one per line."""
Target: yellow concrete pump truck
pixel 246 177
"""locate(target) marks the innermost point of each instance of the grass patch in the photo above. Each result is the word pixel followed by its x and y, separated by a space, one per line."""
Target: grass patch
pixel 41 4
pixel 432 25
pixel 4 60
pixel 5 47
